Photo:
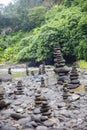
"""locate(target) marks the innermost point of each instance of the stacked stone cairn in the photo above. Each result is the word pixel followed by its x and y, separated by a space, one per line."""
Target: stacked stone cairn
pixel 9 71
pixel 74 82
pixel 42 69
pixel 42 83
pixel 45 108
pixel 60 68
pixel 19 87
pixel 41 112
pixel 38 99
pixel 32 73
pixel 27 71
pixel 65 91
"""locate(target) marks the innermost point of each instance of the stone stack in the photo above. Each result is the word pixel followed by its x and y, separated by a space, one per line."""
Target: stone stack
pixel 74 82
pixel 60 68
pixel 32 73
pixel 42 82
pixel 9 71
pixel 41 115
pixel 45 109
pixel 38 99
pixel 27 71
pixel 65 91
pixel 19 87
pixel 40 70
pixel 43 69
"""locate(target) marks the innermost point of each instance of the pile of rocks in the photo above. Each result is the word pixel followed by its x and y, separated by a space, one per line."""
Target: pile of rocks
pixel 9 71
pixel 42 112
pixel 45 109
pixel 19 88
pixel 65 91
pixel 60 68
pixel 42 82
pixel 74 82
pixel 38 99
pixel 27 71
pixel 42 69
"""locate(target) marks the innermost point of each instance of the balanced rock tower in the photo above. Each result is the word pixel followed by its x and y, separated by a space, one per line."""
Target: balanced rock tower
pixel 60 68
pixel 42 69
pixel 42 83
pixel 74 82
pixel 65 91
pixel 45 108
pixel 19 87
pixel 38 98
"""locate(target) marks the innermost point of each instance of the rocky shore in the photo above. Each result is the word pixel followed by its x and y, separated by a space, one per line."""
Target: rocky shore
pixel 19 110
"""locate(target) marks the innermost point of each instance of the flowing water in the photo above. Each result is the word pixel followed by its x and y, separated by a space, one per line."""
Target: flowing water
pixel 51 78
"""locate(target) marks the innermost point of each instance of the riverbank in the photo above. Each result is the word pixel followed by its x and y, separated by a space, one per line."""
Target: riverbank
pixel 22 114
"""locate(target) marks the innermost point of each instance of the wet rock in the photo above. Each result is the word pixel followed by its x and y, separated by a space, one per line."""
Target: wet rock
pixel 41 128
pixel 36 111
pixel 36 117
pixel 8 128
pixel 3 104
pixel 24 121
pixel 34 124
pixel 48 123
pixel 42 82
pixel 44 118
pixel 16 116
pixel 28 129
pixel 60 105
pixel 20 110
pixel 75 97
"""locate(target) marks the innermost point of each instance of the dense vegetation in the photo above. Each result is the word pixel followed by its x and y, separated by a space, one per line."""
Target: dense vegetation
pixel 30 29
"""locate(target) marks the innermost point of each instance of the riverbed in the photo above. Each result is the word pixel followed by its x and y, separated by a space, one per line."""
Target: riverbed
pixel 22 114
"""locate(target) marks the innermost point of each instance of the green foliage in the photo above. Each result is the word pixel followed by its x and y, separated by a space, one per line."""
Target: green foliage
pixel 65 24
pixel 82 64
